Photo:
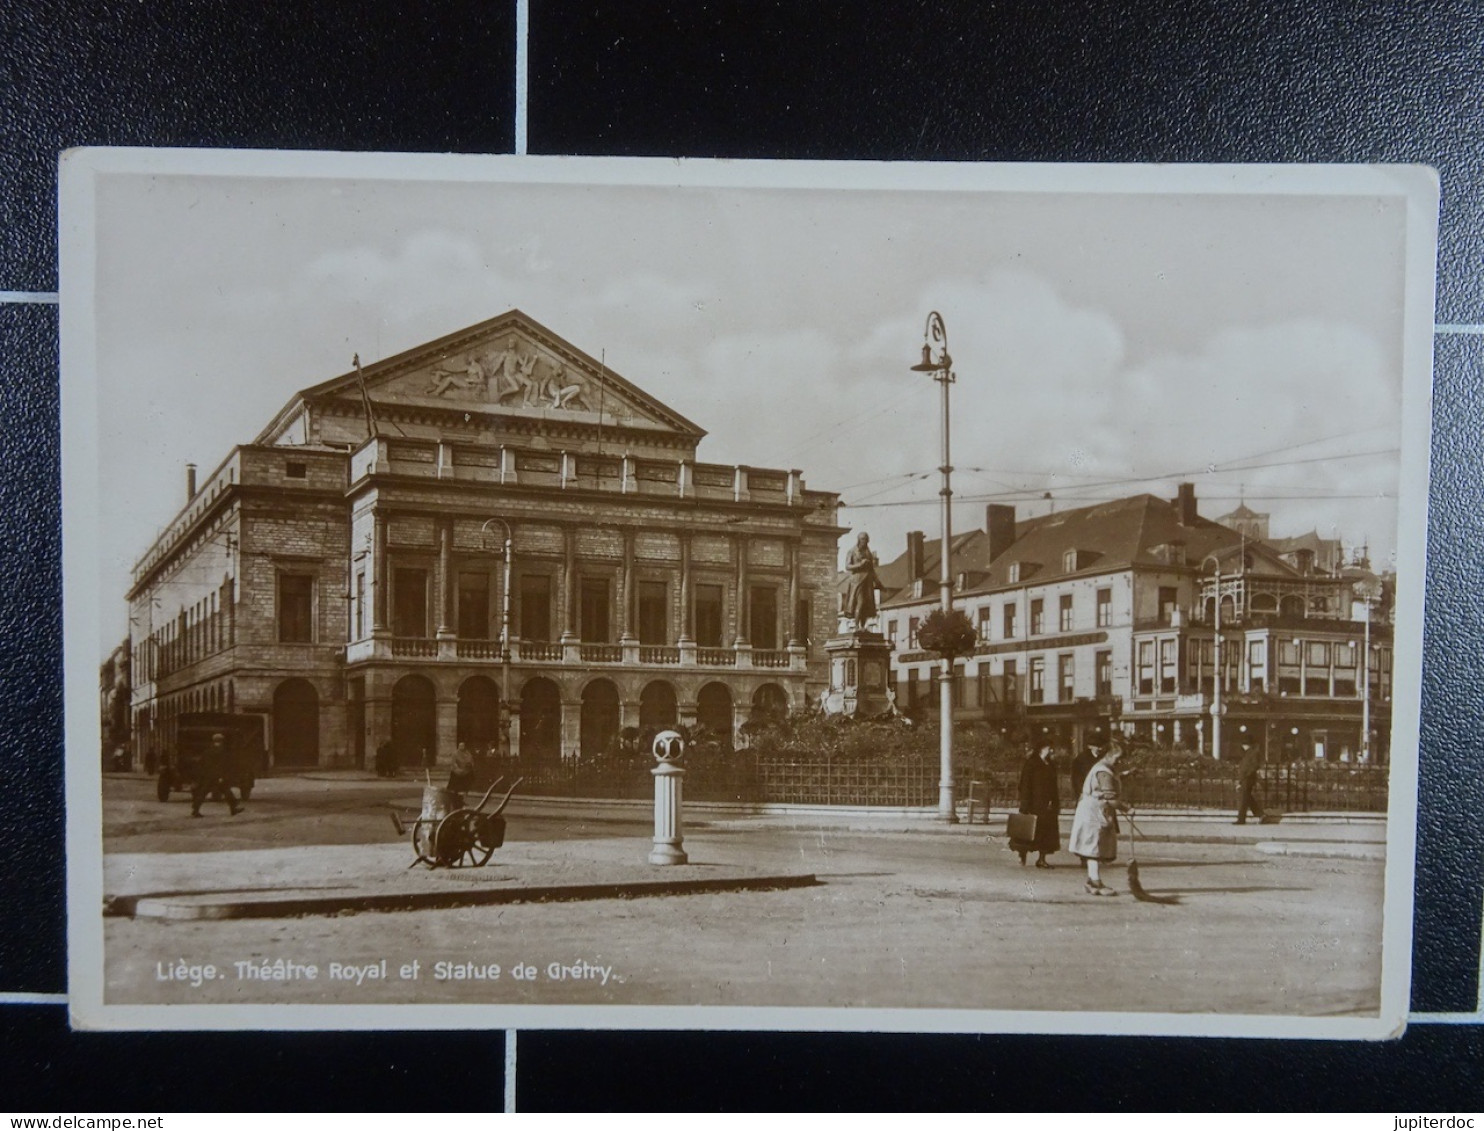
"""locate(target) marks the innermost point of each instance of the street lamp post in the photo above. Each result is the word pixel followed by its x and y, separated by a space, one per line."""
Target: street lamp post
pixel 1216 693
pixel 509 553
pixel 936 361
pixel 1365 688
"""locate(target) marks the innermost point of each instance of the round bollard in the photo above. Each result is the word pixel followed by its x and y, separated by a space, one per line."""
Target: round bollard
pixel 669 748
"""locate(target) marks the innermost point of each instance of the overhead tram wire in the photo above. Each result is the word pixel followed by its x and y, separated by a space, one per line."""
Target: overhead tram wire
pixel 1090 500
pixel 1013 494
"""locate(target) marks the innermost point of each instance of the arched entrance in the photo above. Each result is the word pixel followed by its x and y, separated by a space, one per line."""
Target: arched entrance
pixel 657 709
pixel 540 720
pixel 600 718
pixel 769 704
pixel 414 721
pixel 478 725
pixel 714 712
pixel 295 724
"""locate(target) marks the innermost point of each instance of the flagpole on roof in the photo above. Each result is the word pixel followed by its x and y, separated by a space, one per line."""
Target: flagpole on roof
pixel 602 384
pixel 371 430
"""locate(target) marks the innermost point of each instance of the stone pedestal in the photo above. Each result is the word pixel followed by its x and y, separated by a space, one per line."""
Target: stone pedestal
pixel 859 670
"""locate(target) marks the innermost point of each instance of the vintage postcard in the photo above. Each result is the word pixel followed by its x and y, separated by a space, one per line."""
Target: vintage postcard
pixel 536 592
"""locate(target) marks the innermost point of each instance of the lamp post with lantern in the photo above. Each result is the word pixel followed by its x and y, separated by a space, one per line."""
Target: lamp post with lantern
pixel 507 703
pixel 937 362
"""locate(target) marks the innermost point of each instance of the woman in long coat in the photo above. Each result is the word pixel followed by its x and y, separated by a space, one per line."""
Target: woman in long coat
pixel 1039 796
pixel 1095 825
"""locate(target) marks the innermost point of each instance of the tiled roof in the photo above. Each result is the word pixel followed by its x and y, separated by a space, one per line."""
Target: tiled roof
pixel 1134 531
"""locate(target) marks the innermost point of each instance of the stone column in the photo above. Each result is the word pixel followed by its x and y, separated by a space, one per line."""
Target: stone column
pixel 686 633
pixel 626 606
pixel 446 732
pixel 378 712
pixel 569 586
pixel 740 544
pixel 379 578
pixel 445 579
pixel 230 599
pixel 797 632
pixel 571 740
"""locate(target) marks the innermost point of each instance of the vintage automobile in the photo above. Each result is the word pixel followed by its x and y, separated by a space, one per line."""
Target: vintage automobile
pixel 181 766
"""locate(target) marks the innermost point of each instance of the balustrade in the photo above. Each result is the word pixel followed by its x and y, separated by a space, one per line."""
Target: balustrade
pixel 544 651
pixel 601 653
pixel 479 649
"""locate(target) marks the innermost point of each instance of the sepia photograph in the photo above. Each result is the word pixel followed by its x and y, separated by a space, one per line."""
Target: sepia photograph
pixel 629 593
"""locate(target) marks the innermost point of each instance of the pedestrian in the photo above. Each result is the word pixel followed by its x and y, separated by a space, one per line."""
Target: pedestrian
pixel 386 760
pixel 461 770
pixel 213 777
pixel 1247 772
pixel 1039 797
pixel 1095 825
pixel 1085 761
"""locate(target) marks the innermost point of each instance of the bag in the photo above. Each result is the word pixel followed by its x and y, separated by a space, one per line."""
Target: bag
pixel 1021 829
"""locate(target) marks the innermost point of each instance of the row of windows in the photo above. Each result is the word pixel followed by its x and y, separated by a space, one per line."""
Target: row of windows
pixel 533 615
pixel 1036 610
pixel 1157 672
pixel 1304 667
pixel 1009 687
pixel 196 632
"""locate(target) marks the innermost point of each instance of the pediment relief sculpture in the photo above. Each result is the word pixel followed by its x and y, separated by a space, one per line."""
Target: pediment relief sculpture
pixel 511 374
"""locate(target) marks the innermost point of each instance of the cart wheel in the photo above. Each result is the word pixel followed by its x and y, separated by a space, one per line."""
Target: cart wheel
pixel 484 839
pixel 452 838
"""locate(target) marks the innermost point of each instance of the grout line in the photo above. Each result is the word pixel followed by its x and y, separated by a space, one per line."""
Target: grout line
pixel 509 1071
pixel 21 998
pixel 1458 328
pixel 522 33
pixel 29 296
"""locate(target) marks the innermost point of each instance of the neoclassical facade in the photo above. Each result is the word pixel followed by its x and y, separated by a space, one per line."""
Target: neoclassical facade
pixel 490 537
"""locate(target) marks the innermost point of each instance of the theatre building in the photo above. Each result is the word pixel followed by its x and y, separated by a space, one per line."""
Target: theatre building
pixel 490 538
pixel 1140 614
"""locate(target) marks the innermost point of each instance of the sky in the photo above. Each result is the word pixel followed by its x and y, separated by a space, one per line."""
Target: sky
pixel 1105 343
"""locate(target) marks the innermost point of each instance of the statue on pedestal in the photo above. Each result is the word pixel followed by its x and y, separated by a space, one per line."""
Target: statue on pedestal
pixel 860 587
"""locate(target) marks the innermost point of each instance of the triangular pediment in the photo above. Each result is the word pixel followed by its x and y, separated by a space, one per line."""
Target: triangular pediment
pixel 509 366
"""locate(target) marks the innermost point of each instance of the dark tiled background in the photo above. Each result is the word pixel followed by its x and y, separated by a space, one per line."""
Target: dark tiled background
pixel 1245 80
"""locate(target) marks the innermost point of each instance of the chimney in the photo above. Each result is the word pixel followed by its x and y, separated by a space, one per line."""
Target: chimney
pixel 915 554
pixel 1185 504
pixel 999 524
pixel 190 481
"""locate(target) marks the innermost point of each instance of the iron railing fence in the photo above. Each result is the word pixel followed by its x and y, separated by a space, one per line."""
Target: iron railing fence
pixel 901 783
